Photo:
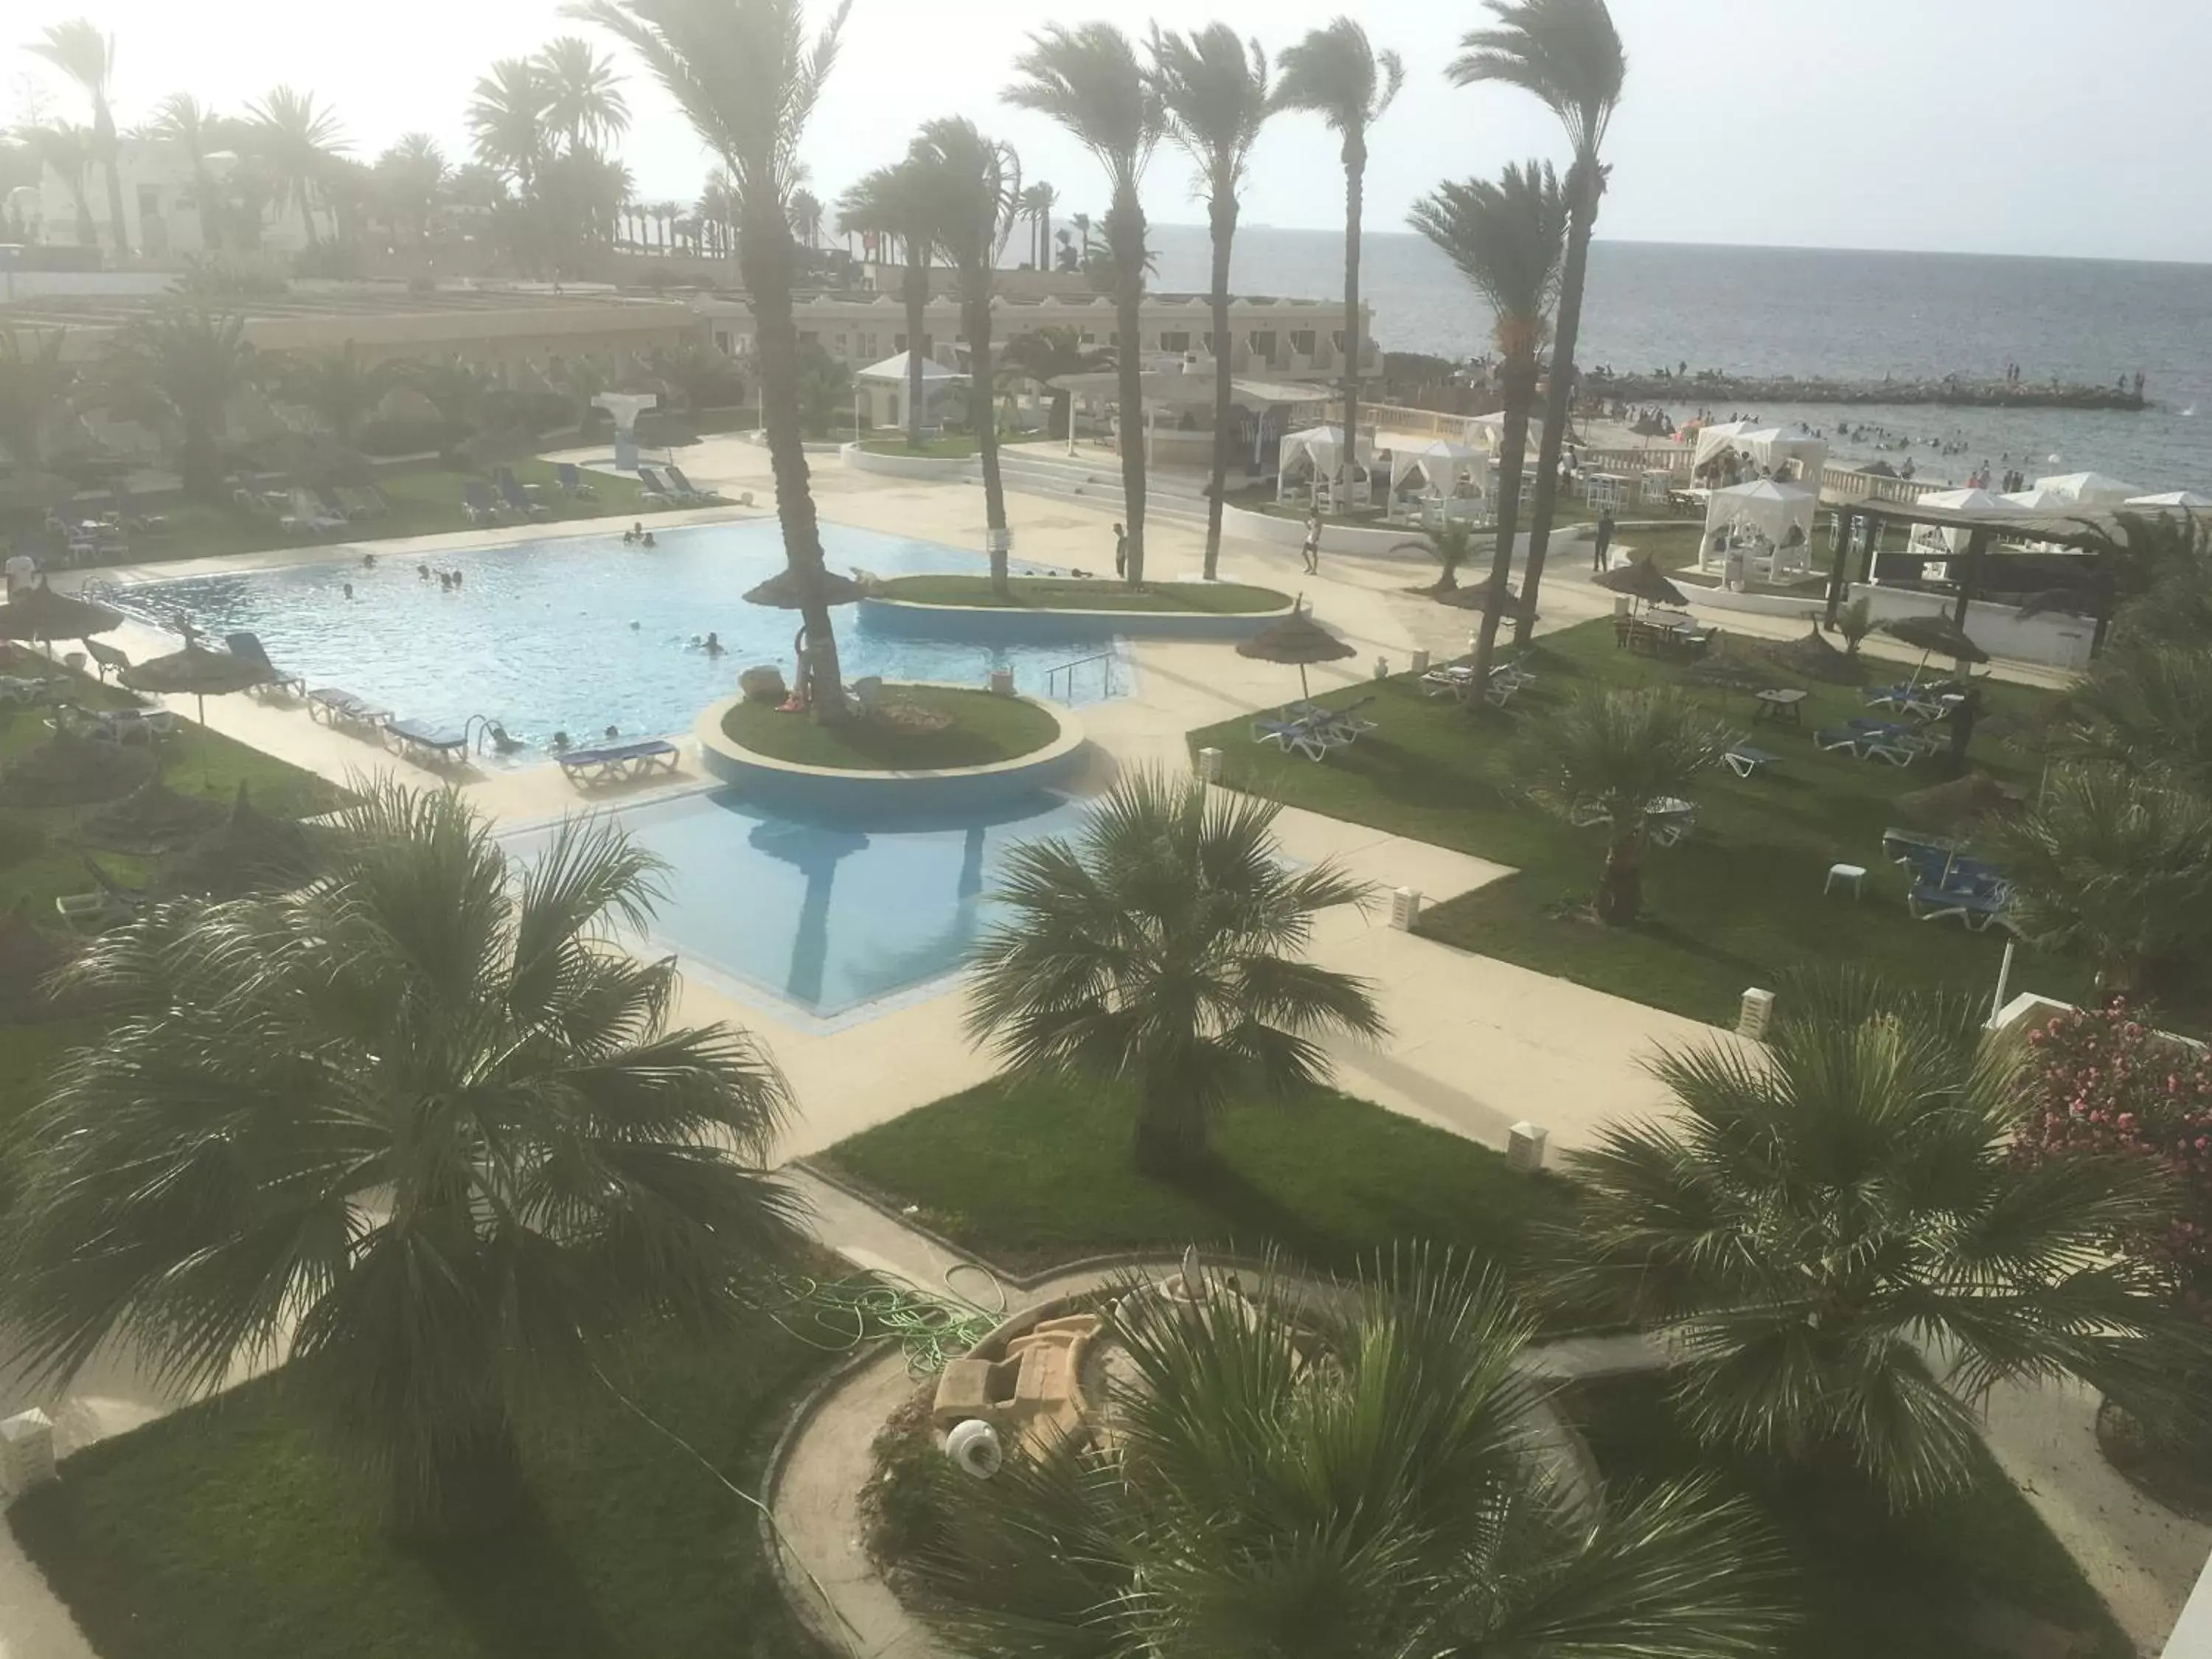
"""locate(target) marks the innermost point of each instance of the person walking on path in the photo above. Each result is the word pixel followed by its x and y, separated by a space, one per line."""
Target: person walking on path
pixel 1313 543
pixel 1120 552
pixel 1603 547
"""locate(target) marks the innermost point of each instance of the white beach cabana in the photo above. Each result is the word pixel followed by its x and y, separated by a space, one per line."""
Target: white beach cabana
pixel 1772 523
pixel 1486 432
pixel 1441 463
pixel 1936 542
pixel 1717 439
pixel 2089 489
pixel 2170 498
pixel 885 383
pixel 2037 498
pixel 1321 449
pixel 1774 451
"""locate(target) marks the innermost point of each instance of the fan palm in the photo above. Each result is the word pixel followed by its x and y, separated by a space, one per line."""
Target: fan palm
pixel 584 102
pixel 896 202
pixel 2148 707
pixel 1087 80
pixel 1336 73
pixel 79 49
pixel 339 386
pixel 1612 758
pixel 182 120
pixel 412 172
pixel 1289 1482
pixel 34 390
pixel 1824 1210
pixel 421 1122
pixel 973 185
pixel 184 363
pixel 1214 88
pixel 1037 204
pixel 1451 544
pixel 1163 946
pixel 298 142
pixel 748 77
pixel 1506 241
pixel 1043 355
pixel 508 120
pixel 1568 54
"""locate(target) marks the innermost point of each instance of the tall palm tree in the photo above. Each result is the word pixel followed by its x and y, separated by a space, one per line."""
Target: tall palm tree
pixel 1037 204
pixel 1824 1212
pixel 1568 53
pixel 181 119
pixel 1611 759
pixel 1043 355
pixel 806 218
pixel 1087 79
pixel 1163 946
pixel 1214 89
pixel 508 119
pixel 298 142
pixel 413 171
pixel 68 151
pixel 584 102
pixel 1336 74
pixel 34 390
pixel 1286 1478
pixel 975 187
pixel 746 75
pixel 79 49
pixel 1505 239
pixel 183 364
pixel 897 204
pixel 438 1136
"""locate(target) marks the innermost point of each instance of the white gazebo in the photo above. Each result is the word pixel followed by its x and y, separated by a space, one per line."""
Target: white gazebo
pixel 1938 542
pixel 1322 448
pixel 2089 489
pixel 1486 431
pixel 888 380
pixel 1717 439
pixel 1790 458
pixel 2170 498
pixel 2037 498
pixel 1441 463
pixel 1771 524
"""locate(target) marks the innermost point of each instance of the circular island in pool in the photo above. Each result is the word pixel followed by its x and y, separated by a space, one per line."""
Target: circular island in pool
pixel 1070 609
pixel 909 745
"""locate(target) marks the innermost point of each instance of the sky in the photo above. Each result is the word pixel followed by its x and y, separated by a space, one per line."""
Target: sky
pixel 1983 126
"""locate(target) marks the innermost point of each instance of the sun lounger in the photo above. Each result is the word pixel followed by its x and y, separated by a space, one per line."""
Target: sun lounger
pixel 674 474
pixel 430 746
pixel 480 504
pixel 1745 760
pixel 249 648
pixel 663 479
pixel 111 903
pixel 334 708
pixel 19 688
pixel 308 515
pixel 104 657
pixel 327 499
pixel 365 503
pixel 511 492
pixel 570 482
pixel 116 725
pixel 1977 906
pixel 617 762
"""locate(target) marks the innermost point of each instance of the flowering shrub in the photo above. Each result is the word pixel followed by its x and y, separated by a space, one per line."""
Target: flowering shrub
pixel 2102 1081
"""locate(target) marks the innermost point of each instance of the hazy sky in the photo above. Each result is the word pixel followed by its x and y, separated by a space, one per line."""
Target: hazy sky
pixel 2002 126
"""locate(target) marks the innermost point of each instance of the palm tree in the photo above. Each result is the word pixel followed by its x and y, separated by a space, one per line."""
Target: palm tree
pixel 79 49
pixel 508 119
pixel 67 151
pixel 584 102
pixel 1088 81
pixel 181 119
pixel 1824 1213
pixel 298 141
pixel 807 215
pixel 1214 89
pixel 1043 355
pixel 973 185
pixel 1163 946
pixel 438 1134
pixel 1452 545
pixel 1287 1477
pixel 413 171
pixel 1505 239
pixel 747 76
pixel 2147 706
pixel 897 203
pixel 1568 53
pixel 1614 759
pixel 34 389
pixel 183 363
pixel 1037 204
pixel 1337 75
pixel 339 387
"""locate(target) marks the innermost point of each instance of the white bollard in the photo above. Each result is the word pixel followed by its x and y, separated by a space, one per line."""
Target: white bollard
pixel 27 1452
pixel 1524 1148
pixel 1751 1018
pixel 1209 765
pixel 1405 909
pixel 1420 663
pixel 1002 682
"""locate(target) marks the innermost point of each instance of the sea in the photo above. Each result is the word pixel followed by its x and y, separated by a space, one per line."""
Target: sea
pixel 1836 313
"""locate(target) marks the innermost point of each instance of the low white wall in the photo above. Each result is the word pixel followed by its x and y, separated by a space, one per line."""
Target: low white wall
pixel 1402 541
pixel 905 466
pixel 2058 642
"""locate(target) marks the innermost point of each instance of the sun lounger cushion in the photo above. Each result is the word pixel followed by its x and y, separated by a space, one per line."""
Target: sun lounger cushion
pixel 625 760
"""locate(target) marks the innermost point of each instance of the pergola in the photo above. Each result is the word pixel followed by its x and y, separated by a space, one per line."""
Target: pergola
pixel 1441 463
pixel 1323 446
pixel 1776 517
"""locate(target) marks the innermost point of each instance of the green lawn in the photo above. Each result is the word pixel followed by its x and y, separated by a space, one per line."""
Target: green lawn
pixel 985 728
pixel 1055 594
pixel 1736 904
pixel 1924 1585
pixel 1032 1172
pixel 228 1532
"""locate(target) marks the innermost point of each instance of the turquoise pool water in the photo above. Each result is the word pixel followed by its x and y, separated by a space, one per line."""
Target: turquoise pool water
pixel 826 915
pixel 581 633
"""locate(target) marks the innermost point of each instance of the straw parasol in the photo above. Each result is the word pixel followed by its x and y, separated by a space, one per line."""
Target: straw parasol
pixel 1813 658
pixel 1640 580
pixel 1947 808
pixel 1297 638
pixel 782 591
pixel 1935 635
pixel 29 958
pixel 151 819
pixel 249 852
pixel 40 613
pixel 200 671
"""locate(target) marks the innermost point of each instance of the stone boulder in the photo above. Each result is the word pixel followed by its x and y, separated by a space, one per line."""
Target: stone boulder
pixel 763 683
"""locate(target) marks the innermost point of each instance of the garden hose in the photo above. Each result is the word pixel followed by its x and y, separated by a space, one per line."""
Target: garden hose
pixel 841 1315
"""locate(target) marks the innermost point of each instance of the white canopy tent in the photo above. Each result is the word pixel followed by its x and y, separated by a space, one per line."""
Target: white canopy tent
pixel 2170 498
pixel 893 370
pixel 1717 438
pixel 1442 463
pixel 2037 500
pixel 1938 542
pixel 2089 489
pixel 1800 456
pixel 1486 431
pixel 1765 514
pixel 1321 449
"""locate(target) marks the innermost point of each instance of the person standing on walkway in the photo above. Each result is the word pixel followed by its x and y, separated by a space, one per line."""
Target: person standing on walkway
pixel 1603 547
pixel 1121 551
pixel 1313 543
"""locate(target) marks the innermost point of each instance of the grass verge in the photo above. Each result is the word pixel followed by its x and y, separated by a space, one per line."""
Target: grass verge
pixel 1058 593
pixel 981 729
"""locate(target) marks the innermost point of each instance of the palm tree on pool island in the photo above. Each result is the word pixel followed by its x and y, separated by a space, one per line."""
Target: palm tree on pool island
pixel 420 1128
pixel 747 76
pixel 1833 1231
pixel 1214 88
pixel 1287 1480
pixel 1087 79
pixel 1506 239
pixel 1163 948
pixel 1568 53
pixel 1336 73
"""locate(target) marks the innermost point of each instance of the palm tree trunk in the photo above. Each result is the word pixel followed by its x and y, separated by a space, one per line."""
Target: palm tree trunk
pixel 199 464
pixel 1620 889
pixel 1224 232
pixel 1519 392
pixel 1171 1138
pixel 467 1484
pixel 1559 405
pixel 103 136
pixel 203 191
pixel 306 202
pixel 1355 175
pixel 1125 236
pixel 767 271
pixel 983 416
pixel 917 318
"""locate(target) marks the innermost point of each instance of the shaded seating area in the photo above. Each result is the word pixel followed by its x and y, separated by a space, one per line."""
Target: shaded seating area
pixel 1309 729
pixel 617 763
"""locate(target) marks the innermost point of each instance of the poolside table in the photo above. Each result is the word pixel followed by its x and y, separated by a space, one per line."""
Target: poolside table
pixel 1780 704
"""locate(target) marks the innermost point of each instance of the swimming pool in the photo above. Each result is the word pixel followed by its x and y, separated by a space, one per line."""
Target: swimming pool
pixel 825 915
pixel 576 633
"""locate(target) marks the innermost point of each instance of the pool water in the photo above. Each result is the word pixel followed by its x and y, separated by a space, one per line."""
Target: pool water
pixel 579 634
pixel 826 915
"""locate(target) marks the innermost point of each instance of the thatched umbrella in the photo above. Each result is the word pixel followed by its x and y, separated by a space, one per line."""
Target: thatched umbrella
pixel 1947 808
pixel 75 771
pixel 1641 580
pixel 40 613
pixel 1813 658
pixel 29 958
pixel 1935 635
pixel 201 672
pixel 250 852
pixel 1297 638
pixel 782 591
pixel 151 819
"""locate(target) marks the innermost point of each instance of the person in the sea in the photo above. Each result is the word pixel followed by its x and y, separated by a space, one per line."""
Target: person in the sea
pixel 713 647
pixel 423 571
pixel 348 590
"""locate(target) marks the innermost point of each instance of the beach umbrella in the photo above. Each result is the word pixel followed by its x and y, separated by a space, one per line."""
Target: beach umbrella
pixel 782 592
pixel 1934 635
pixel 1298 638
pixel 1948 808
pixel 29 956
pixel 1811 657
pixel 249 852
pixel 40 613
pixel 1640 579
pixel 199 671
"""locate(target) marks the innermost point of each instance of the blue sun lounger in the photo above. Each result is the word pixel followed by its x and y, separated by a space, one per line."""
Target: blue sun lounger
pixel 511 492
pixel 248 646
pixel 428 744
pixel 674 474
pixel 613 763
pixel 570 482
